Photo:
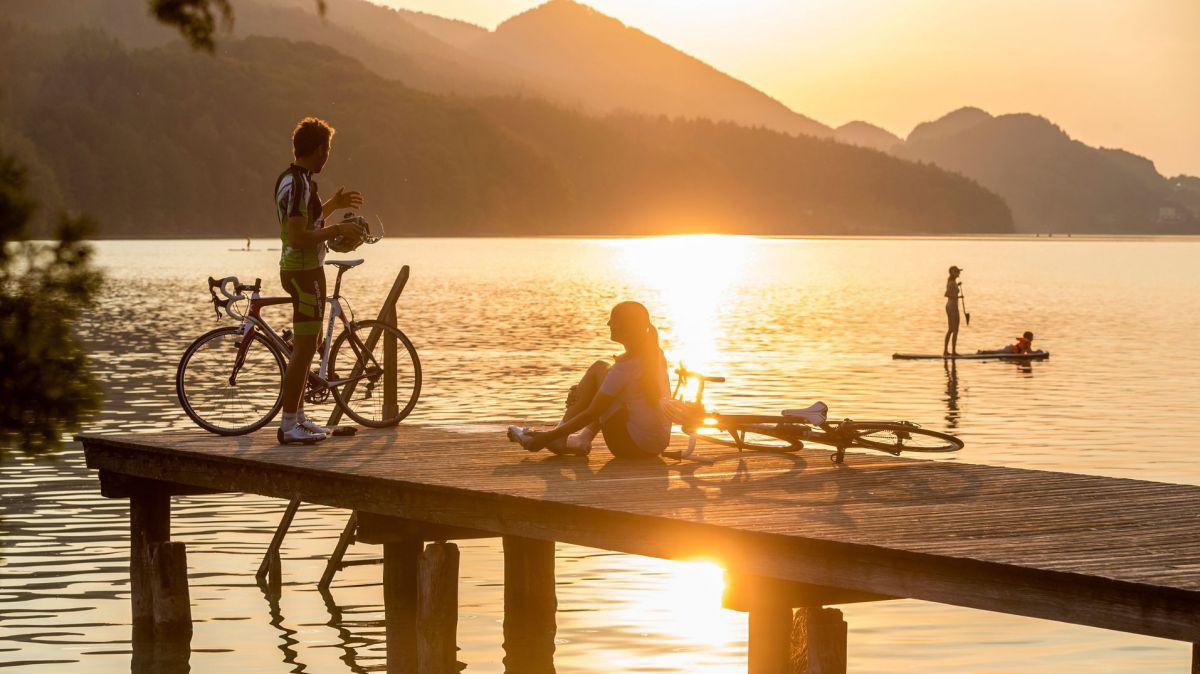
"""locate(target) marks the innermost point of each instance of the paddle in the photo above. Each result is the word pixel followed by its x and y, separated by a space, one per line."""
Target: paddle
pixel 963 297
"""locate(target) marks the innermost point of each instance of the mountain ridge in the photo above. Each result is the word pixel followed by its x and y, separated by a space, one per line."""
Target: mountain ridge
pixel 606 66
pixel 1053 182
pixel 599 66
pixel 180 144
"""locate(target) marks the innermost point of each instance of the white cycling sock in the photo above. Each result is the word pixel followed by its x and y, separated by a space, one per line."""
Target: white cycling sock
pixel 290 419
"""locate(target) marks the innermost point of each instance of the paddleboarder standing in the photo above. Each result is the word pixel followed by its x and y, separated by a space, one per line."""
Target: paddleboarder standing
pixel 953 292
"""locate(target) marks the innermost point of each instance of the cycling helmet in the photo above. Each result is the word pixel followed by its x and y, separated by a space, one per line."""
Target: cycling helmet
pixel 344 243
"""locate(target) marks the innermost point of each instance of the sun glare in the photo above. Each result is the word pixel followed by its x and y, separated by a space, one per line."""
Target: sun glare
pixel 687 281
pixel 694 590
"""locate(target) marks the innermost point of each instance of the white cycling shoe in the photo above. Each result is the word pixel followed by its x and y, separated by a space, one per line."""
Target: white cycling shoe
pixel 521 436
pixel 570 446
pixel 297 434
pixel 313 427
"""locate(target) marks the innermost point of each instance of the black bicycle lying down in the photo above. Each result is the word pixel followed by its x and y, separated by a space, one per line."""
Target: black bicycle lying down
pixel 789 431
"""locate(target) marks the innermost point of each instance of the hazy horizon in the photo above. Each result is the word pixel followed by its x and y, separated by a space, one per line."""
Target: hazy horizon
pixel 1111 74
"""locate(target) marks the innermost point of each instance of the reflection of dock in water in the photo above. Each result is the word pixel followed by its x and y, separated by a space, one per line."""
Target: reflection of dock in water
pixel 795 532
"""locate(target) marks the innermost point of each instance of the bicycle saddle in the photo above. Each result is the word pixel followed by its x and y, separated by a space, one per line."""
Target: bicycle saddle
pixel 813 414
pixel 344 264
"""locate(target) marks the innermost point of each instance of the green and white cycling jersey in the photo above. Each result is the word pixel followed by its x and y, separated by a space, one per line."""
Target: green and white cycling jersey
pixel 296 194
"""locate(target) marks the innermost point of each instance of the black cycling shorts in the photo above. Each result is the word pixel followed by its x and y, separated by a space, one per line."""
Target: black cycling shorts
pixel 307 288
pixel 617 438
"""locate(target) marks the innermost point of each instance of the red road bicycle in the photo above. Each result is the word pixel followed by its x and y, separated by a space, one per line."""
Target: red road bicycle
pixel 230 380
pixel 790 430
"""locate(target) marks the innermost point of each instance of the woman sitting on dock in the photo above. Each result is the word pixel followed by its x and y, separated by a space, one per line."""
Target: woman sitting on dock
pixel 623 401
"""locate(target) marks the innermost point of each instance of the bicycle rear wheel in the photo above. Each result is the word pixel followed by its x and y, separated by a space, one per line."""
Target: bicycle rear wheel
pixel 361 378
pixel 226 397
pixel 896 437
pixel 759 438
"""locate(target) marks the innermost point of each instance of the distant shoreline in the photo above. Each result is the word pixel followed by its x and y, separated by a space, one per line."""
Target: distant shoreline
pixel 848 237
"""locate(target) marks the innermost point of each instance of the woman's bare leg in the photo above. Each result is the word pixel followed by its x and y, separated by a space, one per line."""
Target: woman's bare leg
pixel 582 393
pixel 579 399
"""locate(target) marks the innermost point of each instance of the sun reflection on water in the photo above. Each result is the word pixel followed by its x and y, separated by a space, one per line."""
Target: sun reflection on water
pixel 686 282
pixel 684 600
pixel 695 589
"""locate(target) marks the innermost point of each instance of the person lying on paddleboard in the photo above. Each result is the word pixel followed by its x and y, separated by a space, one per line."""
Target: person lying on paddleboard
pixel 622 401
pixel 1023 345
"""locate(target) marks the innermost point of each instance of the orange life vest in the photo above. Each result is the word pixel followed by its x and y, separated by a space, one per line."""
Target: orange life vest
pixel 1023 345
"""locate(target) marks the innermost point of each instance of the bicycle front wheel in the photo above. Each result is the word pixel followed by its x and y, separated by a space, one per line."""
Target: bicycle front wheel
pixel 229 390
pixel 758 437
pixel 894 437
pixel 376 381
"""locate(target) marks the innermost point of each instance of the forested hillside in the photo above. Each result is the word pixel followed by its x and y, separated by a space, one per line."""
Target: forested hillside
pixel 167 142
pixel 561 51
pixel 1052 182
pixel 586 58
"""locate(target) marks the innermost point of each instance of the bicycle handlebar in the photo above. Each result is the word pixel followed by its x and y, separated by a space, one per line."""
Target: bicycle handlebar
pixel 685 373
pixel 239 289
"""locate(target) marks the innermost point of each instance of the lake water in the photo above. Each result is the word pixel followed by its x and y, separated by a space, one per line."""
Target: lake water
pixel 503 326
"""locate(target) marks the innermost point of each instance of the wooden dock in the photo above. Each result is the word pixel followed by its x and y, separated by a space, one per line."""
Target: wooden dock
pixel 795 532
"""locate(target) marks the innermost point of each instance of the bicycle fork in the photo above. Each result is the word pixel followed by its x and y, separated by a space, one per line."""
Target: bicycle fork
pixel 242 348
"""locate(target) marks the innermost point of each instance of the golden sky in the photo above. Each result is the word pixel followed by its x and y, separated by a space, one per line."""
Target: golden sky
pixel 1113 73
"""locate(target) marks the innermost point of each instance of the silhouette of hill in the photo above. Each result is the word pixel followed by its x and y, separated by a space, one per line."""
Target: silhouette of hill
pixel 1052 182
pixel 587 58
pixel 459 34
pixel 863 134
pixel 387 41
pixel 167 142
pixel 948 125
pixel 549 51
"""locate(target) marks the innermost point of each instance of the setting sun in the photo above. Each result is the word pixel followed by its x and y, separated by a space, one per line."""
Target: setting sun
pixel 687 280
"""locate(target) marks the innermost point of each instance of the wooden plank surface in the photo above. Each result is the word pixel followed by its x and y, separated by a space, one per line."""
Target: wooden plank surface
pixel 1115 553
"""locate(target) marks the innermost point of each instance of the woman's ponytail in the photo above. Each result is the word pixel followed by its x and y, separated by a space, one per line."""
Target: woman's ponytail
pixel 653 362
pixel 636 317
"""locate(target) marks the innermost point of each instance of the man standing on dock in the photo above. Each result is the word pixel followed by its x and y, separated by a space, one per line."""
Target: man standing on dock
pixel 303 234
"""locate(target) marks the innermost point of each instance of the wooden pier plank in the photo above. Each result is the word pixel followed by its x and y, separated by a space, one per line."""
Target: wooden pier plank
pixel 1122 554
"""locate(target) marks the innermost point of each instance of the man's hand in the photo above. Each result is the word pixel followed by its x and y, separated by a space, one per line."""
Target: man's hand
pixel 345 199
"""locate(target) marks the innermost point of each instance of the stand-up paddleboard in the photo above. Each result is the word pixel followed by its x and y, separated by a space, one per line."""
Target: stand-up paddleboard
pixel 1033 355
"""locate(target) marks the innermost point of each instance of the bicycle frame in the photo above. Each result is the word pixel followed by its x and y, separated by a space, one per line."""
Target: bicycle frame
pixel 794 429
pixel 791 429
pixel 253 322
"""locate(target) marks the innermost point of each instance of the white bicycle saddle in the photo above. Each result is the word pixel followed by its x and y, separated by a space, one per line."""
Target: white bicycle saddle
pixel 813 414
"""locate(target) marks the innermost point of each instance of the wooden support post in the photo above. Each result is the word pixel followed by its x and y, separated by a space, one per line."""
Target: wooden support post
pixel 390 407
pixel 334 563
pixel 437 609
pixel 149 524
pixel 169 588
pixel 272 586
pixel 770 640
pixel 818 641
pixel 400 604
pixel 270 568
pixel 389 304
pixel 529 605
pixel 1196 658
pixel 816 636
pixel 152 656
